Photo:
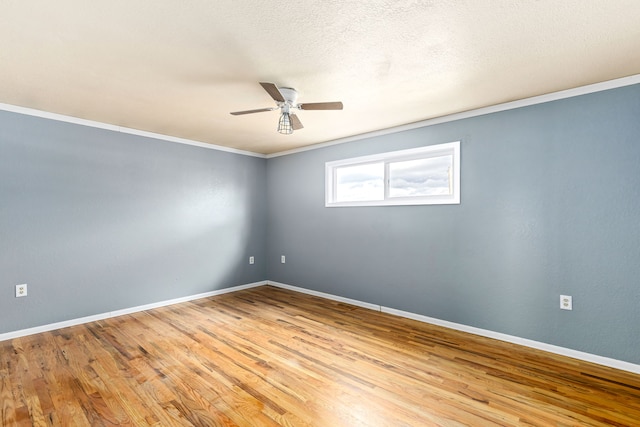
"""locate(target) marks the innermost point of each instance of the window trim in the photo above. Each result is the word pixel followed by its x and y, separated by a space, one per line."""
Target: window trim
pixel 429 151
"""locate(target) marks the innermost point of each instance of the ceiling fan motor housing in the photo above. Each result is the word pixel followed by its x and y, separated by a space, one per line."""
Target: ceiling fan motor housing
pixel 289 94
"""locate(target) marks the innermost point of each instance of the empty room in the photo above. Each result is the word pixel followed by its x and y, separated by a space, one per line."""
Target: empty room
pixel 261 213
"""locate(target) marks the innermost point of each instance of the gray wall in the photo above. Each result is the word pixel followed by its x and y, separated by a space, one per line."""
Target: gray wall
pixel 95 220
pixel 550 206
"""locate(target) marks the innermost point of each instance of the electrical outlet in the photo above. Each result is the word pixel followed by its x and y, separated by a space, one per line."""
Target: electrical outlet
pixel 21 290
pixel 282 259
pixel 252 260
pixel 566 302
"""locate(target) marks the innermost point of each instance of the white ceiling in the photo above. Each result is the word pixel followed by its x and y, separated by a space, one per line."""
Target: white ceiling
pixel 179 67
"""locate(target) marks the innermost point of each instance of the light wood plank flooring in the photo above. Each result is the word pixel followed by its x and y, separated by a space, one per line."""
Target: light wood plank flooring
pixel 268 357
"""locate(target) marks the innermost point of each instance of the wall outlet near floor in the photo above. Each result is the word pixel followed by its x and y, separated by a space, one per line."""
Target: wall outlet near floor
pixel 566 303
pixel 282 259
pixel 252 260
pixel 21 290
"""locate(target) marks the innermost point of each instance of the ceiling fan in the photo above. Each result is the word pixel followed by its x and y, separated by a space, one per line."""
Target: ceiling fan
pixel 286 99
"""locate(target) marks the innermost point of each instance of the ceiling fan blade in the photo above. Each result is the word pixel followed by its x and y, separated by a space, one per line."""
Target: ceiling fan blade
pixel 295 122
pixel 273 91
pixel 321 106
pixel 259 110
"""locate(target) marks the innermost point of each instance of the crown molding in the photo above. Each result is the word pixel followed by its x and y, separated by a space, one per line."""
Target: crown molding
pixel 540 99
pixel 554 96
pixel 99 125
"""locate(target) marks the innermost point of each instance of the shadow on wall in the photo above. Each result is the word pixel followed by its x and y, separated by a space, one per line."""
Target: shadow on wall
pixel 96 221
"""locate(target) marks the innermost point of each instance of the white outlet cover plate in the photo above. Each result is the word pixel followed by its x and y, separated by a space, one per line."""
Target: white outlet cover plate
pixel 21 290
pixel 566 302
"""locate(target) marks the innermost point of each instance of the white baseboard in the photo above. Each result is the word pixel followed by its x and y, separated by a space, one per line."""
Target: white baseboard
pixel 327 296
pixel 87 319
pixel 587 357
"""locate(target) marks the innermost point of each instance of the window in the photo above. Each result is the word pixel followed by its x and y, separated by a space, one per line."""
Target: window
pixel 418 176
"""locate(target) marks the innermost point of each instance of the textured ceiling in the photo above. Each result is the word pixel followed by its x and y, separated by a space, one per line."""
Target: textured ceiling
pixel 179 67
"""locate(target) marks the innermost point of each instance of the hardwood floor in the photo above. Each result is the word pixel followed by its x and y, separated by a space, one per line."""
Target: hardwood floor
pixel 268 357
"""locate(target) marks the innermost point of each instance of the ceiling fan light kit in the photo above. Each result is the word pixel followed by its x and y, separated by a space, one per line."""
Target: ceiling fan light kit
pixel 286 99
pixel 284 124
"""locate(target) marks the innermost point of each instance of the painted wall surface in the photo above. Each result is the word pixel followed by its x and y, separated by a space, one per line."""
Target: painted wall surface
pixel 95 220
pixel 550 205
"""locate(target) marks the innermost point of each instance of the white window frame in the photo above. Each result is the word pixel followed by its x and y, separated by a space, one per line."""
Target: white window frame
pixel 451 148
